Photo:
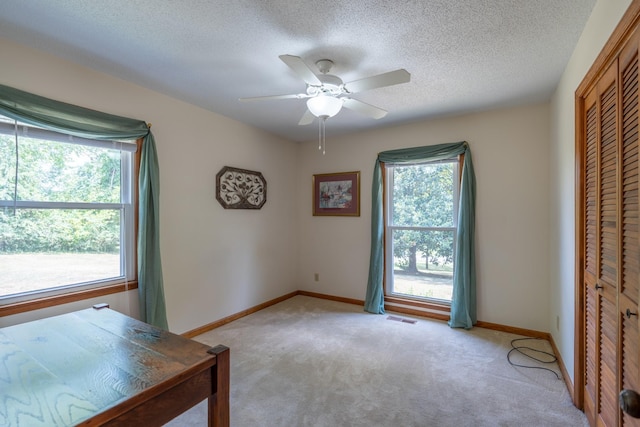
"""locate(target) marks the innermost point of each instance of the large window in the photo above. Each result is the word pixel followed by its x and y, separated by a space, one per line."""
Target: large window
pixel 66 212
pixel 421 223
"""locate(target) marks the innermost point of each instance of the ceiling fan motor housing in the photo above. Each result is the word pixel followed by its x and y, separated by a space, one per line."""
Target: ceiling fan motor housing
pixel 331 85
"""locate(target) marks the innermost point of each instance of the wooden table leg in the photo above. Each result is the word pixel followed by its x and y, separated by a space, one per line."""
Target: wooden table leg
pixel 219 399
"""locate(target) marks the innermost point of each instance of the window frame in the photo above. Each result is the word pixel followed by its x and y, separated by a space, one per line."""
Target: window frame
pixel 40 299
pixel 387 178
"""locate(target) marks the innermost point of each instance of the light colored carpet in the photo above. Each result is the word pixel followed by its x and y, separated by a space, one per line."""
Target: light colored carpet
pixel 312 362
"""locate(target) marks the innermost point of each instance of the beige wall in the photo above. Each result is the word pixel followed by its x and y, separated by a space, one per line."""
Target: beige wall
pixel 604 18
pixel 216 262
pixel 510 151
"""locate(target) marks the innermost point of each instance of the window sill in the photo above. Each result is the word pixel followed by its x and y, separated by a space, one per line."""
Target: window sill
pixel 39 303
pixel 420 304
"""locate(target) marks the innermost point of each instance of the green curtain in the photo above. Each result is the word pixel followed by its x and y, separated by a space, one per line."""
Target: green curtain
pixel 463 304
pixel 149 262
pixel 82 122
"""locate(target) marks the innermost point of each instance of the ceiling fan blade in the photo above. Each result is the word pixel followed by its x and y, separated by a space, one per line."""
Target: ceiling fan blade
pixel 262 98
pixel 364 108
pixel 307 118
pixel 301 69
pixel 381 80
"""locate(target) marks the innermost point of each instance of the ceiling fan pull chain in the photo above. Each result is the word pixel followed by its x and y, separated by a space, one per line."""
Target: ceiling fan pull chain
pixel 323 134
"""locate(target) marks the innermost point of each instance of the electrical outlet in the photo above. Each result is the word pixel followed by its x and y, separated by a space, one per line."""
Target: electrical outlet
pixel 558 323
pixel 316 277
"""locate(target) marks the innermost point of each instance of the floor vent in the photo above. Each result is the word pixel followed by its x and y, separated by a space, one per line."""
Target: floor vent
pixel 400 319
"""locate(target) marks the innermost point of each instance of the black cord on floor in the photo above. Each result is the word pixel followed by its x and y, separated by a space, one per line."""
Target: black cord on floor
pixel 520 349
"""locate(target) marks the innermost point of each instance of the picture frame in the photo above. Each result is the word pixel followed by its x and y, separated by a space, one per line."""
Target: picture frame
pixel 336 194
pixel 240 188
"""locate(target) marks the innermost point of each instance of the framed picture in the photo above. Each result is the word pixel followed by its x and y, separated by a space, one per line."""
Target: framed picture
pixel 336 194
pixel 240 188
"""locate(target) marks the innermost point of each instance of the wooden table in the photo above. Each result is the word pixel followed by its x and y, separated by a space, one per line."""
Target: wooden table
pixel 99 367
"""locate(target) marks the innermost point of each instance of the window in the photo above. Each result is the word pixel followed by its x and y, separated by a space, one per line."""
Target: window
pixel 421 224
pixel 66 212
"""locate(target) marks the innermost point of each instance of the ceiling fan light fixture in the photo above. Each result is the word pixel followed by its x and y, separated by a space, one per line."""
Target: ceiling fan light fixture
pixel 324 105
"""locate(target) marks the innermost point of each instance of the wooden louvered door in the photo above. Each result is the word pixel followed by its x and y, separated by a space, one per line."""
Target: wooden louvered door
pixel 601 246
pixel 591 296
pixel 628 282
pixel 611 245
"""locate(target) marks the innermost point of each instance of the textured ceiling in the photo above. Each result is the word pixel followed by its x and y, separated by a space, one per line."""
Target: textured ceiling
pixel 463 55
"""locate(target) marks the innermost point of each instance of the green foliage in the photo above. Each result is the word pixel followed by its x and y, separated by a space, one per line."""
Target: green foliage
pixel 59 172
pixel 7 167
pixel 423 196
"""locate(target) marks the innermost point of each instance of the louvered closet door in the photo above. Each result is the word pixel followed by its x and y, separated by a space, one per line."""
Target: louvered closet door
pixel 628 284
pixel 601 247
pixel 611 240
pixel 591 297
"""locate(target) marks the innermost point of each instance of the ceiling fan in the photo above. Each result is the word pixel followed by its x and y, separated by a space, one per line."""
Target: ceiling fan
pixel 326 94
